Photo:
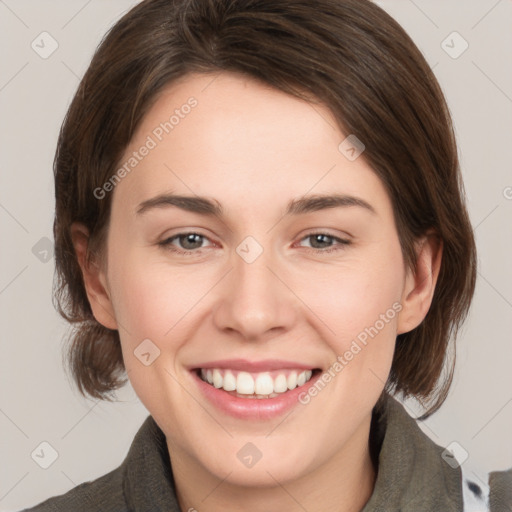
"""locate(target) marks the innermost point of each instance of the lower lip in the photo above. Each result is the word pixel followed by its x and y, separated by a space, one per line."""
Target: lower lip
pixel 253 408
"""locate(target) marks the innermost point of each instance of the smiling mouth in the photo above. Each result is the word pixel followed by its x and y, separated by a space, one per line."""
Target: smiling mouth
pixel 261 385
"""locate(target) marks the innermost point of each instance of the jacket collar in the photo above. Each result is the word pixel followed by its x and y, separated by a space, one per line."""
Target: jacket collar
pixel 412 476
pixel 148 483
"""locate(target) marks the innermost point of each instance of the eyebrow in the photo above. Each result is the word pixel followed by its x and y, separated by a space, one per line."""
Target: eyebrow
pixel 205 206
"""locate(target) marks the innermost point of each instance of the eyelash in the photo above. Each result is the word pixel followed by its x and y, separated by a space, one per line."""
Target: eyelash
pixel 167 243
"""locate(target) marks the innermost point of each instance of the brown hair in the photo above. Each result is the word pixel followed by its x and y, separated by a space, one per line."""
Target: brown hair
pixel 347 54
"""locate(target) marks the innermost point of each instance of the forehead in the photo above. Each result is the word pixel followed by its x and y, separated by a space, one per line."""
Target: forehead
pixel 229 136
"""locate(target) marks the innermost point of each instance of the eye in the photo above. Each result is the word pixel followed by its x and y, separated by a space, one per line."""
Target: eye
pixel 323 242
pixel 192 243
pixel 184 243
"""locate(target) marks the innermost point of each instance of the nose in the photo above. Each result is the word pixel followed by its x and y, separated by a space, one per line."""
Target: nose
pixel 255 301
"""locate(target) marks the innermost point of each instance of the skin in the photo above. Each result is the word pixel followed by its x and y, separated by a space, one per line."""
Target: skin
pixel 253 149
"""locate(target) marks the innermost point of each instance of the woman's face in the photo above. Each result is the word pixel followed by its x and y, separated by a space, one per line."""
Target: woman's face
pixel 273 288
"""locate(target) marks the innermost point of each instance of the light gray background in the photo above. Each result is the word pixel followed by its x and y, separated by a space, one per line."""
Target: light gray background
pixel 37 402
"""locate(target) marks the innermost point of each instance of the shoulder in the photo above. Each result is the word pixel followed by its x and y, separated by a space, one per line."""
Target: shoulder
pixel 104 494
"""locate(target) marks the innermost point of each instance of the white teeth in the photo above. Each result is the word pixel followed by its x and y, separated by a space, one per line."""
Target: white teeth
pixel 280 384
pixel 264 384
pixel 229 382
pixel 245 384
pixel 261 385
pixel 217 378
pixel 292 380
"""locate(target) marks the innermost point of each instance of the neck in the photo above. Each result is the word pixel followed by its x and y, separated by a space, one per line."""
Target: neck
pixel 344 483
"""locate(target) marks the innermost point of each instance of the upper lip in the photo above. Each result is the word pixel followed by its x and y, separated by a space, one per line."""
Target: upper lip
pixel 254 366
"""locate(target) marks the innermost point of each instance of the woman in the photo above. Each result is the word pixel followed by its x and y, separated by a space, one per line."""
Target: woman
pixel 260 221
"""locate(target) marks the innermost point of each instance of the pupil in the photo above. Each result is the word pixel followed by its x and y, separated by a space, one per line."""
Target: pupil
pixel 318 238
pixel 189 239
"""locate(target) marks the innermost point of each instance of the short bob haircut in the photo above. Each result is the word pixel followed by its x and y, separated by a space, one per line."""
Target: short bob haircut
pixel 348 55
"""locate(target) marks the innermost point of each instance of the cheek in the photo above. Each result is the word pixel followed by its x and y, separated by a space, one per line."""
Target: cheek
pixel 149 297
pixel 360 300
pixel 138 301
pixel 151 306
pixel 355 295
pixel 155 302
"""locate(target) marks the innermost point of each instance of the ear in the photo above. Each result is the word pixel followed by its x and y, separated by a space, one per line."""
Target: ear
pixel 94 277
pixel 420 284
